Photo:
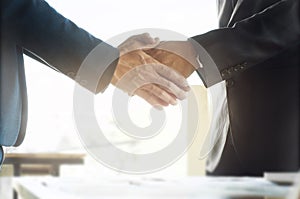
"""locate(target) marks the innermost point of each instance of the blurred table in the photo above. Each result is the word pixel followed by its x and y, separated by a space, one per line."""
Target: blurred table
pixel 41 163
pixel 141 188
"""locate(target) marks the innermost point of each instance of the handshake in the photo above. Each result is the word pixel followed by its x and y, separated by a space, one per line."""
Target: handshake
pixel 154 70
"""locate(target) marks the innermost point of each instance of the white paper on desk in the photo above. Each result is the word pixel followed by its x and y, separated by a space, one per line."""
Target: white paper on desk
pixel 214 187
pixel 224 186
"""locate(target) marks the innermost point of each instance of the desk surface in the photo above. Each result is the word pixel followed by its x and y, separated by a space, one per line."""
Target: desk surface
pixel 119 187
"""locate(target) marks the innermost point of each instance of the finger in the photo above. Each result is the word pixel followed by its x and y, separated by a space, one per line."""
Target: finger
pixel 142 41
pixel 146 38
pixel 168 92
pixel 151 99
pixel 160 93
pixel 171 87
pixel 164 81
pixel 173 76
pixel 146 41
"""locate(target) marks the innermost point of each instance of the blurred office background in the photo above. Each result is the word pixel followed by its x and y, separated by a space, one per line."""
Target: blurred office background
pixel 51 127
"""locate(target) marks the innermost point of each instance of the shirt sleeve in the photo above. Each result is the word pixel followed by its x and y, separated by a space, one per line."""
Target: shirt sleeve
pixel 47 36
pixel 226 52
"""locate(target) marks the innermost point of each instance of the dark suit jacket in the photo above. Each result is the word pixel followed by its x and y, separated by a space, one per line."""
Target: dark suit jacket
pixel 34 28
pixel 256 51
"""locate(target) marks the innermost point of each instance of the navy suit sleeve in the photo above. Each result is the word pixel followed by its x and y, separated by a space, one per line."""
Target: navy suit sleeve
pixel 251 40
pixel 48 36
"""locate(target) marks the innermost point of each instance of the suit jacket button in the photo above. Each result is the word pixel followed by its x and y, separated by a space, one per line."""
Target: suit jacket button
pixel 239 67
pixel 229 83
pixel 224 73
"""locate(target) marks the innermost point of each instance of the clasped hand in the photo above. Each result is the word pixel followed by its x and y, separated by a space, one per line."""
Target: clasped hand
pixel 154 70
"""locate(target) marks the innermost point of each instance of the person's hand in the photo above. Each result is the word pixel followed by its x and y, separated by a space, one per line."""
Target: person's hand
pixel 179 55
pixel 140 74
pixel 138 42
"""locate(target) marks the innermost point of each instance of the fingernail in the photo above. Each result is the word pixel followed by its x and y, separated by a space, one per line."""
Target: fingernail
pixel 158 107
pixel 185 84
pixel 182 96
pixel 173 102
pixel 187 88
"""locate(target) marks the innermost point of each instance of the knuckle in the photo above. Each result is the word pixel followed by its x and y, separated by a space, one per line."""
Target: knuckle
pixel 151 87
pixel 161 93
pixel 167 84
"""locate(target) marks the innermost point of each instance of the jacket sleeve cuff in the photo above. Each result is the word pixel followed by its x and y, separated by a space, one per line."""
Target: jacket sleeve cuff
pixel 97 69
pixel 208 70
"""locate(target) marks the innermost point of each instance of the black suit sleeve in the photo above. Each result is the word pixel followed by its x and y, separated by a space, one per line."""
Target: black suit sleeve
pixel 251 41
pixel 51 38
